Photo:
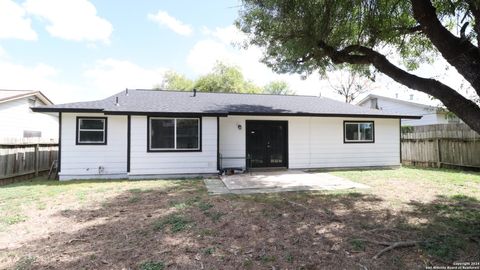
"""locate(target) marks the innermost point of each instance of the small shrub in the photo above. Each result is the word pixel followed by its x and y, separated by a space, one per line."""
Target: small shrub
pixel 177 223
pixel 209 251
pixel 214 216
pixel 289 257
pixel 204 206
pixel 267 258
pixel 406 129
pixel 152 265
pixel 193 200
pixel 357 244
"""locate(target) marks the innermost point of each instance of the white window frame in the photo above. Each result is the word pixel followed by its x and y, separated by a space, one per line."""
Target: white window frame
pixel 79 129
pixel 174 149
pixel 358 123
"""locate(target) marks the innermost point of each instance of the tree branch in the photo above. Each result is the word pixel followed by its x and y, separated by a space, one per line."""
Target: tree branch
pixel 455 102
pixel 459 52
pixel 408 30
pixel 474 9
pixel 396 245
pixel 462 30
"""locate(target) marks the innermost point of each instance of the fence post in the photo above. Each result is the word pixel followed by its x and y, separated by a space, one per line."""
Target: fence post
pixel 439 154
pixel 37 157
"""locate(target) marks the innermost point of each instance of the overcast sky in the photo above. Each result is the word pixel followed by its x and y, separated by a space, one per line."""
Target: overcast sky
pixel 84 50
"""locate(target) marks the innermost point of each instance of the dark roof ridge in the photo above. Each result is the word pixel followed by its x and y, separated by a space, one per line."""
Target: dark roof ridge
pixel 198 91
pixel 145 101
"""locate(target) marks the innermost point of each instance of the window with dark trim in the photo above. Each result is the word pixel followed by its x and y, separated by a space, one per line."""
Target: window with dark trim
pixel 92 130
pixel 174 134
pixel 358 132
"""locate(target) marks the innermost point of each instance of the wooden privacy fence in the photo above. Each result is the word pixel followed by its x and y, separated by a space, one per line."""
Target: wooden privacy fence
pixel 443 145
pixel 26 159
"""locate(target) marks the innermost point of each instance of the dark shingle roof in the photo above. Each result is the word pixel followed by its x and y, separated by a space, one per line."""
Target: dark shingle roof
pixel 180 102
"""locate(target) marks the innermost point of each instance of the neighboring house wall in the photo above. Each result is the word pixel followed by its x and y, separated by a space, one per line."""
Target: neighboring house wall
pixel 317 142
pixel 429 114
pixel 159 163
pixel 84 161
pixel 17 117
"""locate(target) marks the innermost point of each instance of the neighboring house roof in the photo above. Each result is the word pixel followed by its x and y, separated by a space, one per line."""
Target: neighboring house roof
pixel 220 104
pixel 9 95
pixel 417 104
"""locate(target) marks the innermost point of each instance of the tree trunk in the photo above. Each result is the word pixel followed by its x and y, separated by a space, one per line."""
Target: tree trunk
pixel 464 108
pixel 458 51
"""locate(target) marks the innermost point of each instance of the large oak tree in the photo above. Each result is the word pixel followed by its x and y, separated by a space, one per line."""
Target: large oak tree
pixel 303 36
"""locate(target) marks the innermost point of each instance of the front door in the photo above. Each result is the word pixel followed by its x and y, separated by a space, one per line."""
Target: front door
pixel 267 143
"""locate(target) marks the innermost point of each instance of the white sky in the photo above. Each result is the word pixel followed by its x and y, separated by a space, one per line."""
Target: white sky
pixel 75 51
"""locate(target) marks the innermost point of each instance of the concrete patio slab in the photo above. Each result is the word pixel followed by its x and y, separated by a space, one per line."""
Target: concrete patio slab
pixel 278 181
pixel 215 186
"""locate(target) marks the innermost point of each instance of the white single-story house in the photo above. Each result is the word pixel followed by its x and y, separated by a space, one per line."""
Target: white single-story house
pixel 431 115
pixel 18 121
pixel 148 133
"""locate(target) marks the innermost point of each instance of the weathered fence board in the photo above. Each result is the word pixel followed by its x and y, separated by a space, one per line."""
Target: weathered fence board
pixel 441 145
pixel 25 159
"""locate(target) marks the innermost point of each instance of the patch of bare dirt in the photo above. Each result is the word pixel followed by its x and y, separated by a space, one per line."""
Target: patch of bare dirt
pixel 186 229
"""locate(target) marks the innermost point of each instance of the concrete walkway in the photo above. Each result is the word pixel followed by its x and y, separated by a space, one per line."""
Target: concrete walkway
pixel 278 181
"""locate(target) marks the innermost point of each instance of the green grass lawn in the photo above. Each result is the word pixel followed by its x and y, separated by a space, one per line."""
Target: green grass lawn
pixel 440 177
pixel 417 183
pixel 160 224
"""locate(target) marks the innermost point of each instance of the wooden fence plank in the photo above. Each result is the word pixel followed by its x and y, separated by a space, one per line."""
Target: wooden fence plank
pixel 26 158
pixel 434 145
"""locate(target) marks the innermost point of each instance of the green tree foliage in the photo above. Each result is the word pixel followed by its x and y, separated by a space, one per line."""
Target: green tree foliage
pixel 305 36
pixel 225 78
pixel 174 81
pixel 278 88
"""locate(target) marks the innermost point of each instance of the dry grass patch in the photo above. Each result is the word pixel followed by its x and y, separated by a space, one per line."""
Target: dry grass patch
pixel 176 225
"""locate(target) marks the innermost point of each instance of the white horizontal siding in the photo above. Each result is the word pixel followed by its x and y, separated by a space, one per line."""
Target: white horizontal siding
pixel 16 116
pixel 83 161
pixel 158 163
pixel 314 142
pixel 317 142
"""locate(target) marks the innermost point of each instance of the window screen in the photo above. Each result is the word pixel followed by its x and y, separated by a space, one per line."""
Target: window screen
pixel 91 130
pixel 174 134
pixel 359 132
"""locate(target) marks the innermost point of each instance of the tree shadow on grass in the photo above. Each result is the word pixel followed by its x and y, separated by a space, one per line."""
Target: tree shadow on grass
pixel 41 181
pixel 184 228
pixel 449 227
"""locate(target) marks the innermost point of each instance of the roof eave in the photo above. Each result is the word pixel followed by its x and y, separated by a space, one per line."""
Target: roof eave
pixel 330 115
pixel 49 109
pixel 38 94
pixel 222 114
